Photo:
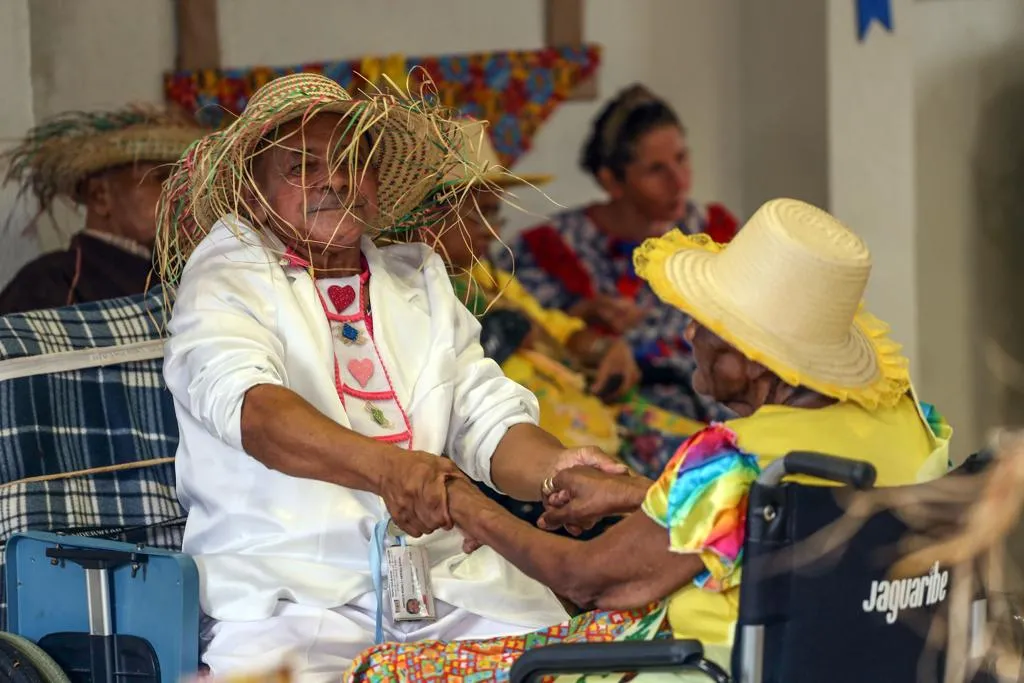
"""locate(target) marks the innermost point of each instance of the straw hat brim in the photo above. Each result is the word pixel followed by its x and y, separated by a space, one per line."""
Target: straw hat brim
pixel 865 367
pixel 501 180
pixel 250 130
pixel 71 161
pixel 507 180
pixel 396 131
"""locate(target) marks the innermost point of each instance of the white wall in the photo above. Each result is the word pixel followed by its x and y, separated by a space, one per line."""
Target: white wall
pixel 969 97
pixel 969 142
pixel 93 54
pixel 15 119
pixel 871 156
pixel 926 160
pixel 695 63
pixel 783 113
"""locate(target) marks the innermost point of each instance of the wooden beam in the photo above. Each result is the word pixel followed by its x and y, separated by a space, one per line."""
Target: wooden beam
pixel 198 41
pixel 563 25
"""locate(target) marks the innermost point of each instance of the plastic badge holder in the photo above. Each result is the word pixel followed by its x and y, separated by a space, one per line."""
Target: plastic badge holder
pixel 106 611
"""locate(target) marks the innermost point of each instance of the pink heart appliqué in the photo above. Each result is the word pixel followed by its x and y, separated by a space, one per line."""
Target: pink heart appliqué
pixel 362 370
pixel 341 297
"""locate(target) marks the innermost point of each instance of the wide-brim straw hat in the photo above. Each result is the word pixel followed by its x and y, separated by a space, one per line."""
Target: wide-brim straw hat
pixel 415 147
pixel 787 292
pixel 56 157
pixel 478 147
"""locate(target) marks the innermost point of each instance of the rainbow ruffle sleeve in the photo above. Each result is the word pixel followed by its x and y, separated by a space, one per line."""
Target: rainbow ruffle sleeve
pixel 701 498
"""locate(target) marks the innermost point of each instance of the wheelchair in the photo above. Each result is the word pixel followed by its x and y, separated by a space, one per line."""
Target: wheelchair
pixel 805 624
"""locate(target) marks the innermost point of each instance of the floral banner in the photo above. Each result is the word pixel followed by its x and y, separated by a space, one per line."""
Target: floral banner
pixel 516 91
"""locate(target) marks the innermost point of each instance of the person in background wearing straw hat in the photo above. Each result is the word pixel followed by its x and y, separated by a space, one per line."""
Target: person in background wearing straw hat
pixel 112 164
pixel 326 388
pixel 780 336
pixel 549 352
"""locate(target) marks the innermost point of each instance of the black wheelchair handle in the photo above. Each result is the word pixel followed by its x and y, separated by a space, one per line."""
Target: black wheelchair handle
pixel 856 473
pixel 618 657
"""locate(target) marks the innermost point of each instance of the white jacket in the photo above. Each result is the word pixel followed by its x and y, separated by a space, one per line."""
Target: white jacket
pixel 242 317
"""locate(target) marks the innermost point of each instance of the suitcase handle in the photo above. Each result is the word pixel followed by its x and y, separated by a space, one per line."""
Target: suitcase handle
pixel 87 558
pixel 97 565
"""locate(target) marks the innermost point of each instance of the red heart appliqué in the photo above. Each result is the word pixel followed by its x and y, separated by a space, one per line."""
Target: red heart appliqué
pixel 341 297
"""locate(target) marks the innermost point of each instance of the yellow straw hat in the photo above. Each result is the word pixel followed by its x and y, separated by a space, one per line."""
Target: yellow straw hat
pixel 415 149
pixel 787 293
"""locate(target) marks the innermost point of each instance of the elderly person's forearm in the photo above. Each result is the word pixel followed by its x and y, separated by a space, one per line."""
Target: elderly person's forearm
pixel 627 566
pixel 524 458
pixel 287 434
pixel 540 555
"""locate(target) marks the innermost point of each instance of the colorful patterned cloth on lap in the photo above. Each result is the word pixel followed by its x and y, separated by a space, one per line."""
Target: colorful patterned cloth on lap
pixel 489 661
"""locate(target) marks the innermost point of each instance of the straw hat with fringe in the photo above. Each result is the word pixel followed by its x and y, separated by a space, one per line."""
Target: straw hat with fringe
pixel 787 293
pixel 56 157
pixel 415 148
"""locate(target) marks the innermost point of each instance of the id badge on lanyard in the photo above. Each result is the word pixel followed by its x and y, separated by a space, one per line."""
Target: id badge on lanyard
pixel 409 583
pixel 411 597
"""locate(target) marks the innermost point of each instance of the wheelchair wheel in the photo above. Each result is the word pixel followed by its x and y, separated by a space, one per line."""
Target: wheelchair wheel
pixel 22 661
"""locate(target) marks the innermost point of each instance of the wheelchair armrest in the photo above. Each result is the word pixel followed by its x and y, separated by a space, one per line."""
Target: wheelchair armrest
pixel 856 473
pixel 619 657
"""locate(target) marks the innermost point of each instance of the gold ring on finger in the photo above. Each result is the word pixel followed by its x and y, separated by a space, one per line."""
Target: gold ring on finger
pixel 548 487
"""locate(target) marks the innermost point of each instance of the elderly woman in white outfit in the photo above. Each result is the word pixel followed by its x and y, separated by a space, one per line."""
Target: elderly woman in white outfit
pixel 317 378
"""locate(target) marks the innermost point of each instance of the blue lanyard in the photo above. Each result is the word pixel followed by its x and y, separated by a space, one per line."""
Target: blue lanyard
pixel 377 551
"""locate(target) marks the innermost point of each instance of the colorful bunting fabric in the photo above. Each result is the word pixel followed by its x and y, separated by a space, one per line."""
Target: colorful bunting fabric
pixel 515 90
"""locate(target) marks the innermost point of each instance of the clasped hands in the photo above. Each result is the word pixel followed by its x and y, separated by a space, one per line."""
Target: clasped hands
pixel 584 486
pixel 583 496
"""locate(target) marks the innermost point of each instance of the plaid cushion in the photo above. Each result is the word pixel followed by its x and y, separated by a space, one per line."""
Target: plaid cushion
pixel 83 419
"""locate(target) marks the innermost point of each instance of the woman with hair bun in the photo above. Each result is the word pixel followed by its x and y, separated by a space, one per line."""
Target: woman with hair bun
pixel 581 262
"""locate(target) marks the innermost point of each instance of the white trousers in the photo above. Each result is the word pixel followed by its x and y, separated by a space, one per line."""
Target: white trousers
pixel 322 643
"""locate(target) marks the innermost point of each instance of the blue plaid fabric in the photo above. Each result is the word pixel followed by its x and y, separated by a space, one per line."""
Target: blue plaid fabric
pixel 69 421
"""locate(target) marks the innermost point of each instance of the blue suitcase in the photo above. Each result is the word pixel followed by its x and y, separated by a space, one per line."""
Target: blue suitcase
pixel 105 611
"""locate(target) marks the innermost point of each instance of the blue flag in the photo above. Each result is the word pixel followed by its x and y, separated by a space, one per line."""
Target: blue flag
pixel 873 10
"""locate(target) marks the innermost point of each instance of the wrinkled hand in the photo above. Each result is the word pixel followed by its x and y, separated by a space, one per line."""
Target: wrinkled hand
pixel 414 491
pixel 617 313
pixel 587 456
pixel 583 496
pixel 618 360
